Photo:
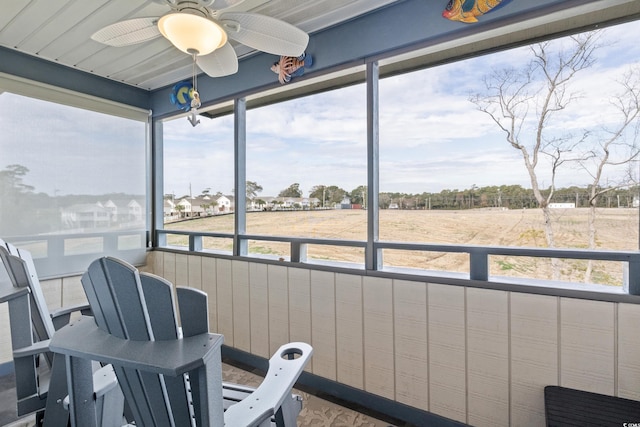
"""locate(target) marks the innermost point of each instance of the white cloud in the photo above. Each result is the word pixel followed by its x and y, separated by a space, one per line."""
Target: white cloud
pixel 431 136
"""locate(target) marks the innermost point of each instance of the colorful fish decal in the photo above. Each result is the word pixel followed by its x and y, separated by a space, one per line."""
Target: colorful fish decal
pixel 469 10
pixel 182 95
pixel 290 66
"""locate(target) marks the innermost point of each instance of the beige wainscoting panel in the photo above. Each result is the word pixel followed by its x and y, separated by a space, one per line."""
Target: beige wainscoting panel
pixel 195 271
pixel 149 265
pixel 169 267
pixel 209 286
pixel 72 291
pixel 411 358
pixel 488 357
pixel 278 307
pixel 349 330
pixel 224 286
pixel 52 291
pixel 323 323
pixel 155 262
pixel 447 365
pixel 379 361
pixel 587 345
pixel 182 270
pixel 300 307
pixel 534 355
pixel 259 308
pixel 628 351
pixel 241 306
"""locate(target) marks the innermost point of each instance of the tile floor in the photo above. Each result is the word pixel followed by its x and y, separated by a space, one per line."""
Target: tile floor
pixel 316 412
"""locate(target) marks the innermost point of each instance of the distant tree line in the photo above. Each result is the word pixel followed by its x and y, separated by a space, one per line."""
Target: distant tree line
pixel 505 196
pixel 494 196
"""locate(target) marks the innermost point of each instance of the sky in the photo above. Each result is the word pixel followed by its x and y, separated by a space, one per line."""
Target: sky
pixel 59 143
pixel 431 136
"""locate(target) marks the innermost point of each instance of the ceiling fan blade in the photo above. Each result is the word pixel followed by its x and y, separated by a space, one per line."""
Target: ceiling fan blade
pixel 131 31
pixel 265 33
pixel 236 6
pixel 221 4
pixel 221 62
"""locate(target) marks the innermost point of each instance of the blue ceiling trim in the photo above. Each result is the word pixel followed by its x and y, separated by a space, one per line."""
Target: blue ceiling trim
pixel 399 27
pixel 37 69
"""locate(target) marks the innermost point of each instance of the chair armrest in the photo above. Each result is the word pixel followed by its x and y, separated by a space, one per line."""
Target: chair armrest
pixel 83 308
pixel 83 339
pixel 61 316
pixel 8 293
pixel 32 350
pixel 269 396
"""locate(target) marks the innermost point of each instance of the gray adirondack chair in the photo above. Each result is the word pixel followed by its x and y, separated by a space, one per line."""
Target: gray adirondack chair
pixel 40 375
pixel 170 375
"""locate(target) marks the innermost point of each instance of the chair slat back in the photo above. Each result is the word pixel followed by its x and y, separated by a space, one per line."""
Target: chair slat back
pixel 4 275
pixel 158 294
pixel 30 323
pixel 139 307
pixel 22 273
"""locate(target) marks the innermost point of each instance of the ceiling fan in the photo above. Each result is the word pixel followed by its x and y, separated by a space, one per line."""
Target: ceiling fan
pixel 201 28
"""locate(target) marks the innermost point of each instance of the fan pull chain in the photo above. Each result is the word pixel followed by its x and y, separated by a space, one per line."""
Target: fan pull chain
pixel 195 80
pixel 195 101
pixel 195 97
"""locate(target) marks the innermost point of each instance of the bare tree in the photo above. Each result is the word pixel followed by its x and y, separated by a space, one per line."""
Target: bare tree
pixel 523 102
pixel 615 145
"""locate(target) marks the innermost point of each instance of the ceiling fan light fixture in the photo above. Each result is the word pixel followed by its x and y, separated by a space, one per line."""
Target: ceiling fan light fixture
pixel 192 33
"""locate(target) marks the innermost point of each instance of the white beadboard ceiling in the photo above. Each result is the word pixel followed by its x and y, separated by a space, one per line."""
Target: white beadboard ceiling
pixel 60 31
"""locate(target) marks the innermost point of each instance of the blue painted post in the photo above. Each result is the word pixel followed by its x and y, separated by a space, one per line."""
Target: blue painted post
pixel 195 243
pixel 240 245
pixel 298 251
pixel 478 265
pixel 632 282
pixel 373 172
pixel 161 239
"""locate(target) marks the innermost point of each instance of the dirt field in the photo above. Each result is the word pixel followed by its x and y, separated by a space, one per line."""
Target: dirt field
pixel 617 230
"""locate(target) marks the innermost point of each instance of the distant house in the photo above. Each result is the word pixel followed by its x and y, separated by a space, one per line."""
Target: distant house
pixel 135 211
pixel 288 202
pixel 256 204
pixel 562 205
pixel 268 202
pixel 184 207
pixel 169 207
pixel 277 203
pixel 201 206
pixel 86 216
pixel 189 207
pixel 345 203
pixel 224 203
pixel 193 207
pixel 311 202
pixel 124 210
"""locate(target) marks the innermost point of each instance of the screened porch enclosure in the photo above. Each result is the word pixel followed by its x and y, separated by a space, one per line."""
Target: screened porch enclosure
pixel 376 207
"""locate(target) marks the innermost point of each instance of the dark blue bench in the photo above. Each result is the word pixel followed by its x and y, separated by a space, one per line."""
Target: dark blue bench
pixel 569 407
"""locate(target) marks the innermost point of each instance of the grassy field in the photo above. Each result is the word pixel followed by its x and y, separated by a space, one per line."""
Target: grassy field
pixel 617 230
